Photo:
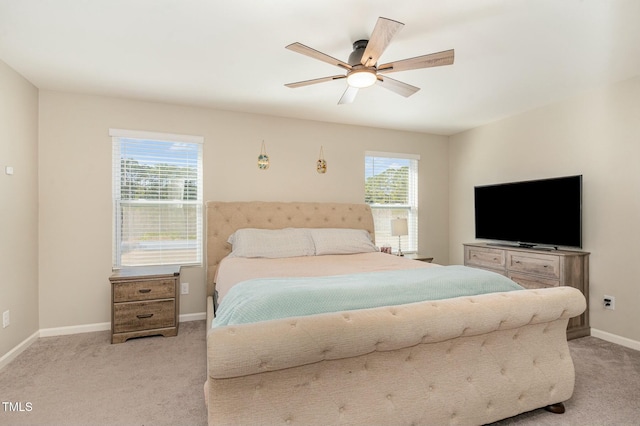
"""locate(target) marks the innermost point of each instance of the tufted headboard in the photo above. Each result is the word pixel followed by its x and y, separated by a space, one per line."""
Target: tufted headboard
pixel 224 218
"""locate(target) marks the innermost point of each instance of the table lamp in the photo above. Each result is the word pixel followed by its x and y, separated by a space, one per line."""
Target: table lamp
pixel 399 227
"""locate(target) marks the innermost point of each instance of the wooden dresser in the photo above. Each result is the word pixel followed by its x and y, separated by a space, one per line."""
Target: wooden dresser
pixel 144 302
pixel 532 268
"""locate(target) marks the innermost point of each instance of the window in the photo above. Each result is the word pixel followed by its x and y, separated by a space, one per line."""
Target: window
pixel 157 198
pixel 391 189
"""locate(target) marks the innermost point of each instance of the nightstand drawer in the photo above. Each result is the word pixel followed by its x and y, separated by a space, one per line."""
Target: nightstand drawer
pixel 134 316
pixel 545 265
pixel 143 290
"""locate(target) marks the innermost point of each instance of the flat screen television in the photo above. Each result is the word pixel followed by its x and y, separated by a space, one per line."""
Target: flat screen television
pixel 545 212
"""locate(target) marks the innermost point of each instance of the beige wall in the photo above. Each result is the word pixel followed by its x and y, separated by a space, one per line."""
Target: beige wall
pixel 55 216
pixel 18 207
pixel 596 135
pixel 75 184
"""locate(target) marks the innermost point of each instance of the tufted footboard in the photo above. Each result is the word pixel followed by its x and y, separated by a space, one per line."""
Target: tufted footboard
pixel 469 360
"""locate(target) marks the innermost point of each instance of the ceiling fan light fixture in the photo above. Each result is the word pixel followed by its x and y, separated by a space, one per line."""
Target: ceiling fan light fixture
pixel 362 66
pixel 361 78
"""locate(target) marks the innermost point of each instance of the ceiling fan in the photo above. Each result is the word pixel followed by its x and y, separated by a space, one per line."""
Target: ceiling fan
pixel 362 69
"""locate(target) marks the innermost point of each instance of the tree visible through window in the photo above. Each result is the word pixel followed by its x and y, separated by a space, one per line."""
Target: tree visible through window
pixel 157 195
pixel 391 189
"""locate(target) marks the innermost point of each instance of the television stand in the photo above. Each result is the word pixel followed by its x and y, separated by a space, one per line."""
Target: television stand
pixel 535 268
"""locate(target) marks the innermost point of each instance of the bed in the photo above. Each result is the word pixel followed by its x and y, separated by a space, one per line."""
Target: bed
pixel 468 359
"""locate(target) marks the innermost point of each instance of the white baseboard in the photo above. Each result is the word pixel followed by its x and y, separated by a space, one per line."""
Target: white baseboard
pixel 613 338
pixel 193 317
pixel 74 329
pixel 102 326
pixel 13 353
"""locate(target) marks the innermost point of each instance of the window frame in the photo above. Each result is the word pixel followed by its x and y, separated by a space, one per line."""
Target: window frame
pixel 383 230
pixel 117 137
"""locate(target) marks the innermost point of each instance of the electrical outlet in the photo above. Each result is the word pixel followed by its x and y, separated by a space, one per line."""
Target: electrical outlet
pixel 6 320
pixel 184 288
pixel 609 302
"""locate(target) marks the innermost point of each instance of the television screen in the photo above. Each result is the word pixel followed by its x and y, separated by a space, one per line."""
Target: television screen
pixel 538 212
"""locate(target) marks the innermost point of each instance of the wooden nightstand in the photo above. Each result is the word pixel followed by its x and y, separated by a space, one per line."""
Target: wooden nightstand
pixel 416 256
pixel 144 302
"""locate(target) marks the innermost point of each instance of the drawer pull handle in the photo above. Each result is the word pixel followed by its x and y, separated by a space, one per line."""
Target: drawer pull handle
pixel 517 261
pixel 145 290
pixel 142 316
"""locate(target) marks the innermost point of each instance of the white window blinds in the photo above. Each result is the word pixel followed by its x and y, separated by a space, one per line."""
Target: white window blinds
pixel 391 189
pixel 157 198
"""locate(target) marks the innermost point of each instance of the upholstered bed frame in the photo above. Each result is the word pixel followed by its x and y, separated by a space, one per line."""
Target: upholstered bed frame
pixel 468 360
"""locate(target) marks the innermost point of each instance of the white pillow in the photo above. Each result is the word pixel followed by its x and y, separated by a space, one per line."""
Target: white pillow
pixel 271 243
pixel 342 241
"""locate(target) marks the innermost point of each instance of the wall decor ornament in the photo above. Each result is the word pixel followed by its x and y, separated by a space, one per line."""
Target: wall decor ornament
pixel 321 164
pixel 263 158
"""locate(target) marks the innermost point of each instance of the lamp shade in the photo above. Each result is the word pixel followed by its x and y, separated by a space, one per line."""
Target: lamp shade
pixel 399 227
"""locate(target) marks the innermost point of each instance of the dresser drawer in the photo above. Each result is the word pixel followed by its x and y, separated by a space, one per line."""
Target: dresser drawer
pixel 531 281
pixel 485 257
pixel 531 263
pixel 144 290
pixel 134 316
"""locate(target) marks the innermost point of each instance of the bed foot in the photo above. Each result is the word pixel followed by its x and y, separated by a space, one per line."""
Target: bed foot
pixel 555 408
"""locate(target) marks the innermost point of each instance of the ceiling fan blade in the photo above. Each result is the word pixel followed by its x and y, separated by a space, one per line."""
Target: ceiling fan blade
pixel 314 81
pixel 348 96
pixel 312 53
pixel 380 38
pixel 425 61
pixel 396 86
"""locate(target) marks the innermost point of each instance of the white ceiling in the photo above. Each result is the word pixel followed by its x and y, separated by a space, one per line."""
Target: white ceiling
pixel 511 55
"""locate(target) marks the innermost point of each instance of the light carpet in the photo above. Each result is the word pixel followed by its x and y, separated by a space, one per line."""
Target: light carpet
pixel 84 380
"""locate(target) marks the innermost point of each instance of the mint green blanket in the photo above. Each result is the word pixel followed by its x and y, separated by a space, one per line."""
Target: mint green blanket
pixel 266 299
